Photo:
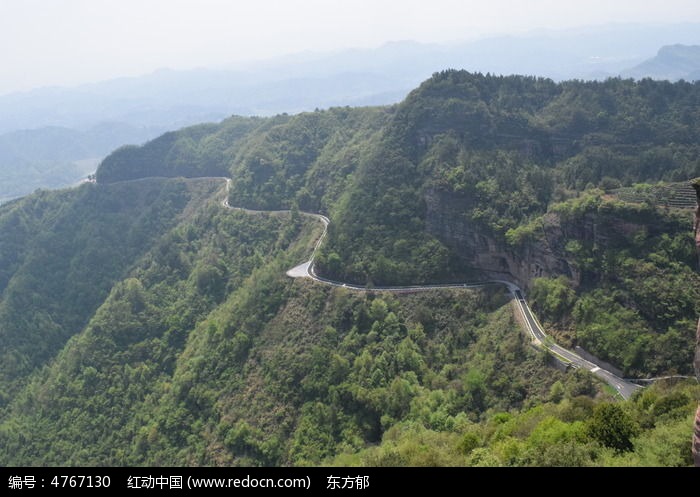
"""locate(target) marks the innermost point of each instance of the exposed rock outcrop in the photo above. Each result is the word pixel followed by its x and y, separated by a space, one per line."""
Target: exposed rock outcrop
pixel 544 255
pixel 696 363
pixel 696 439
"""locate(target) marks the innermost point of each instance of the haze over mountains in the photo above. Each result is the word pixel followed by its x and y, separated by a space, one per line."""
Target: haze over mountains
pixel 673 62
pixel 66 126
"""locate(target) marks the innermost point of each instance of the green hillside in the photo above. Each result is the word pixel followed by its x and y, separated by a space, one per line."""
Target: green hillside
pixel 147 324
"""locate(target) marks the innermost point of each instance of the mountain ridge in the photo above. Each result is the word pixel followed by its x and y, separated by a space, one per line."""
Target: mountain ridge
pixel 170 99
pixel 145 325
pixel 437 152
pixel 672 62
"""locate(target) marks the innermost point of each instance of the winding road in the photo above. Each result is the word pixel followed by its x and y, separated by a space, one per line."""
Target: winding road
pixel 539 338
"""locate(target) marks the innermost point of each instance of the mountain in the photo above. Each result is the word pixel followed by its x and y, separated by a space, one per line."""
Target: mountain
pixel 672 62
pixel 55 156
pixel 147 318
pixel 459 175
pixel 169 99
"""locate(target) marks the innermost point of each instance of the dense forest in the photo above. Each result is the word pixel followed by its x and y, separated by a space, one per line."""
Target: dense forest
pixel 146 324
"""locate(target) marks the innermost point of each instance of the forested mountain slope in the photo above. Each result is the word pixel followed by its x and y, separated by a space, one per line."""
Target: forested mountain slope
pixel 475 172
pixel 145 323
pixel 61 254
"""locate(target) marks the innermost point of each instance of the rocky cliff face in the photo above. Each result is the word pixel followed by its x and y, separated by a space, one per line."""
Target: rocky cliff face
pixel 543 256
pixel 696 362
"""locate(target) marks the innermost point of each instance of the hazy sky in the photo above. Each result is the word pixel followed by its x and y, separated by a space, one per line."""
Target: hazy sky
pixel 59 42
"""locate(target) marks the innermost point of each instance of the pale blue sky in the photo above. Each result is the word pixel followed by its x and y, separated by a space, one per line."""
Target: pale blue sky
pixel 63 42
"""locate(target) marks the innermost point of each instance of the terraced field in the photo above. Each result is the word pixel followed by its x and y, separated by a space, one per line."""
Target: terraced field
pixel 678 195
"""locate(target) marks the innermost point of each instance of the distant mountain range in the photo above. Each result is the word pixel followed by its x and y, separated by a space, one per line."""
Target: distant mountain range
pixel 169 99
pixel 55 156
pixel 673 62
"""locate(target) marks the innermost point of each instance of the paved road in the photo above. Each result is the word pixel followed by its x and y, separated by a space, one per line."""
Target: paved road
pixel 623 387
pixel 539 337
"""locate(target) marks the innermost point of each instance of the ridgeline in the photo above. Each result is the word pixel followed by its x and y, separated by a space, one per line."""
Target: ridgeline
pixel 145 325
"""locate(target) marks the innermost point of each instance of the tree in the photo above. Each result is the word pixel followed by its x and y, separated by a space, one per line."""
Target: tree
pixel 612 427
pixel 553 296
